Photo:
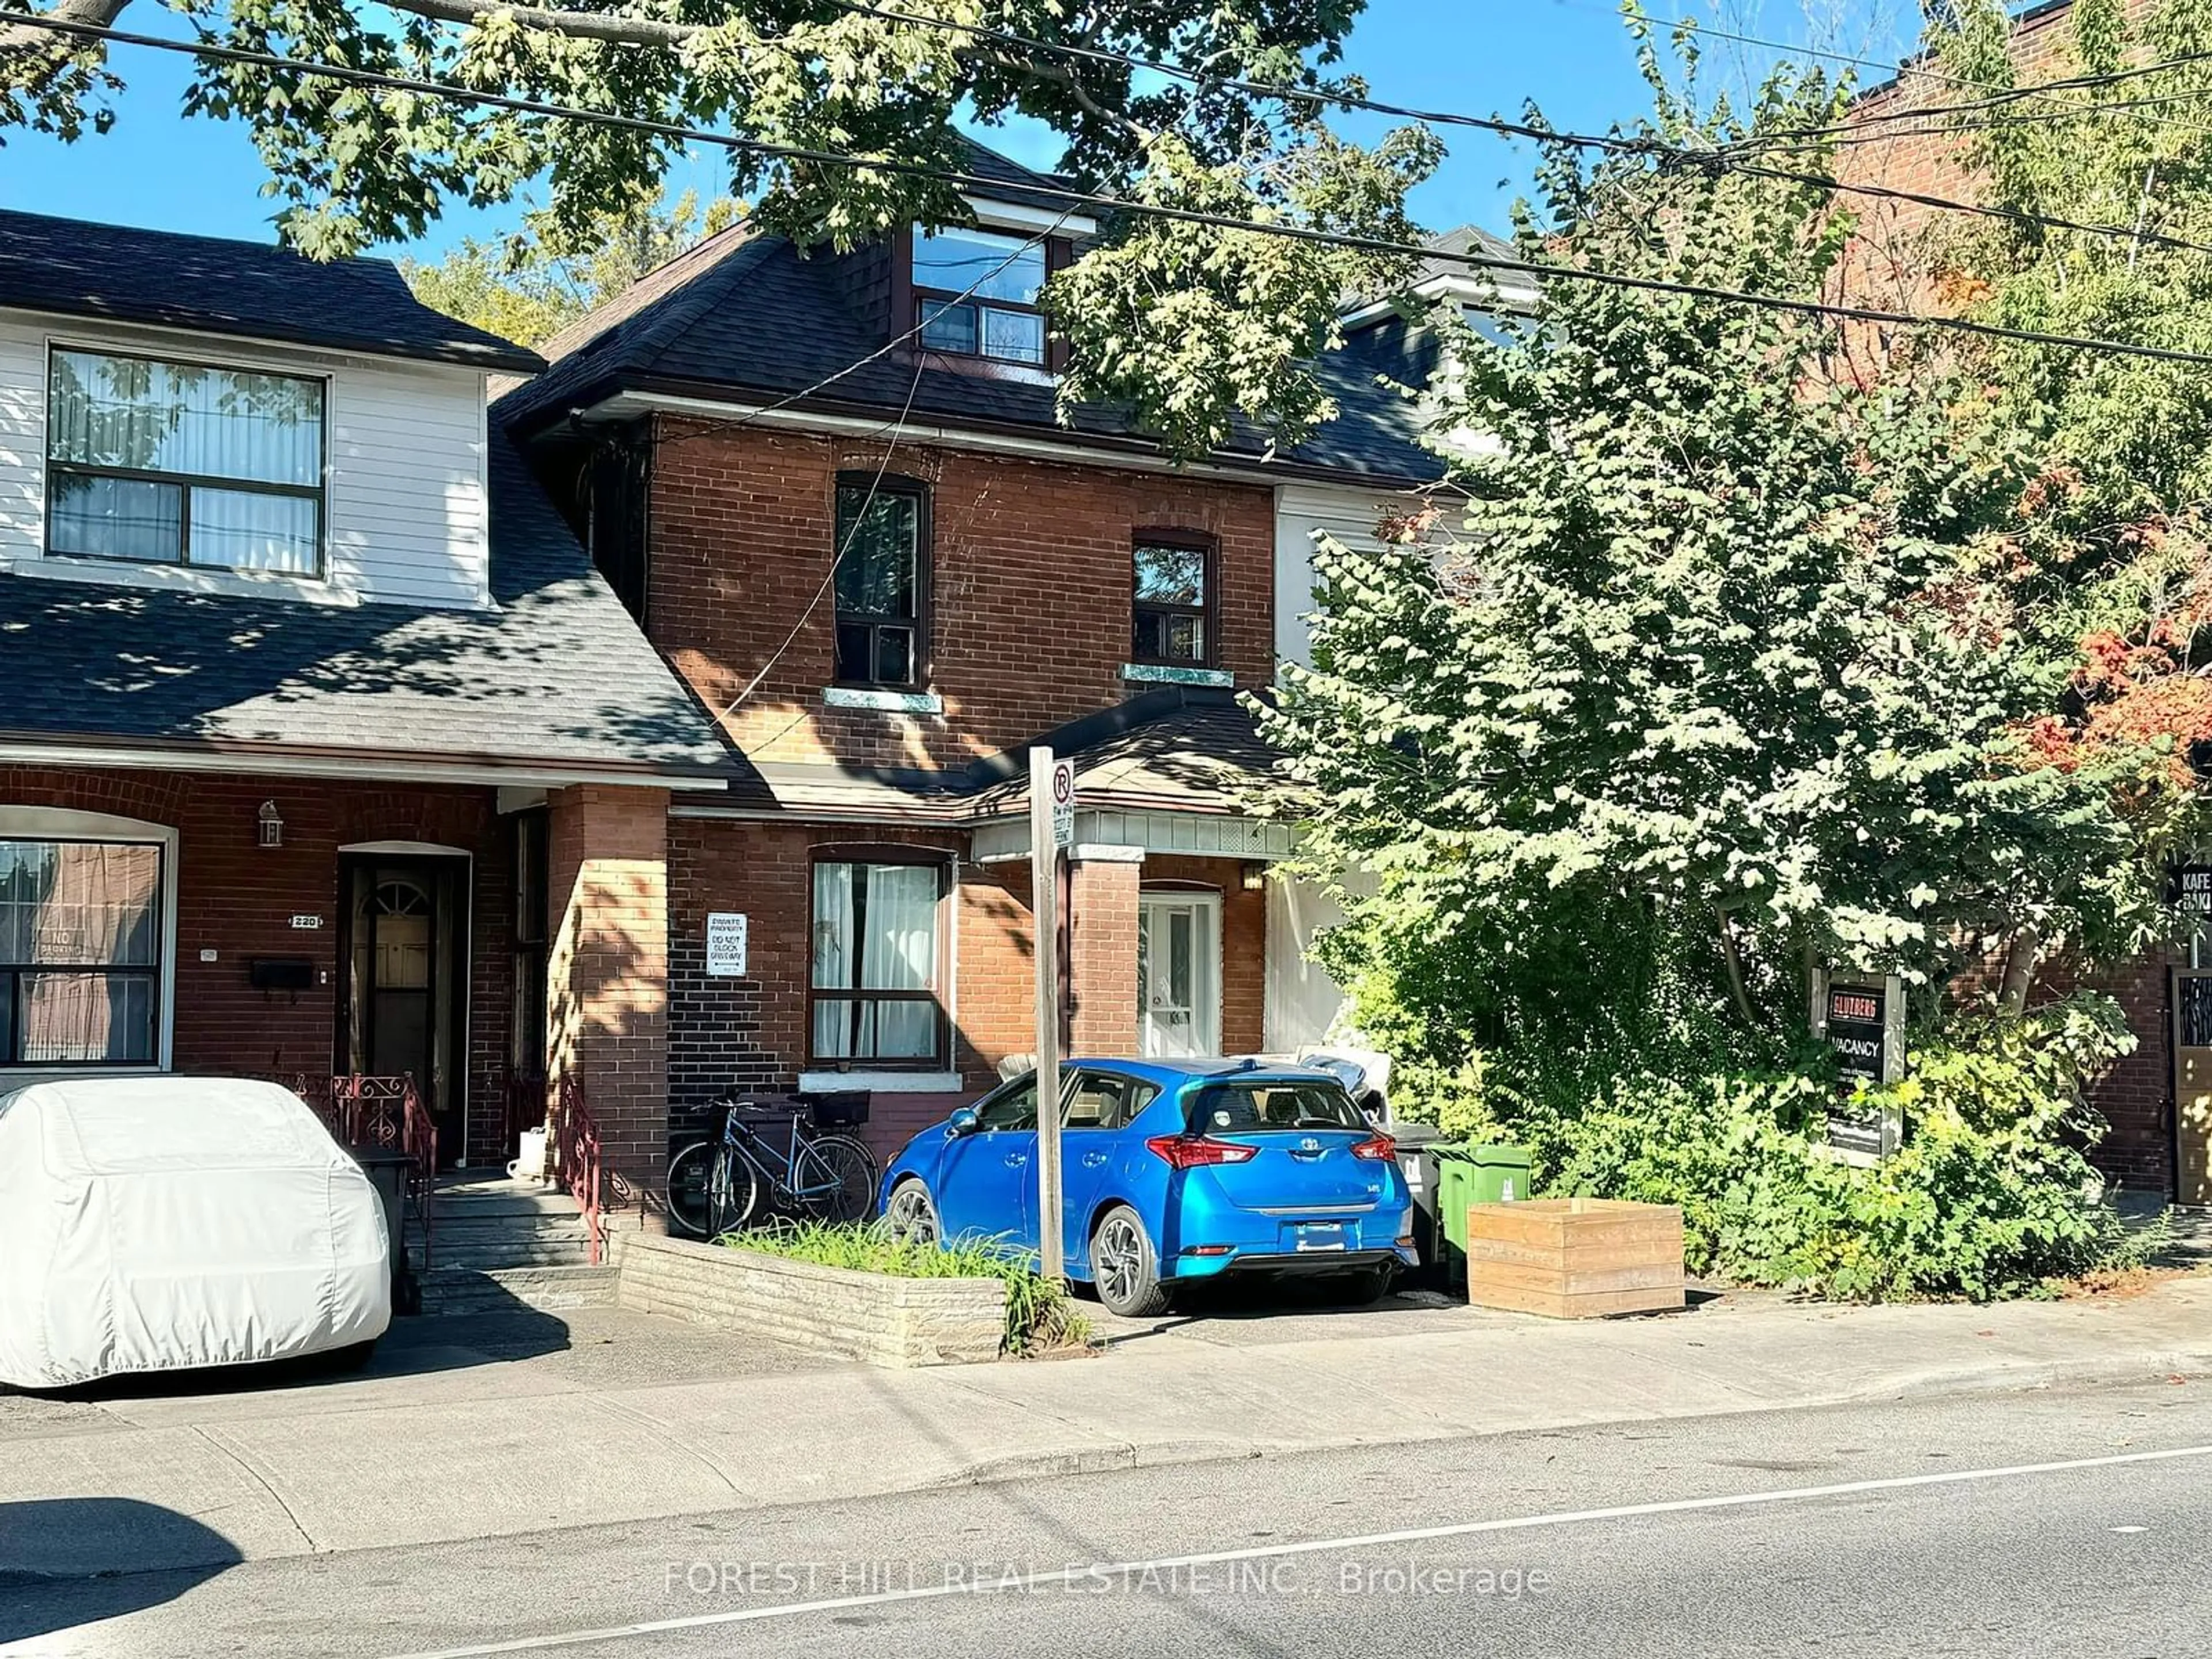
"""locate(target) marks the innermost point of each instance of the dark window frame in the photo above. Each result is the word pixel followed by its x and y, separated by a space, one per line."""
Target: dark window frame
pixel 13 973
pixel 1208 612
pixel 1051 355
pixel 532 889
pixel 916 490
pixel 185 483
pixel 940 1058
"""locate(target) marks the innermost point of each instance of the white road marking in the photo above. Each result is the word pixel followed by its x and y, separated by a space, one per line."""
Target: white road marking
pixel 1071 1576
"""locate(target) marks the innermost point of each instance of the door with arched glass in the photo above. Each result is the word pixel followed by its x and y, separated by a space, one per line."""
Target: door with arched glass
pixel 403 954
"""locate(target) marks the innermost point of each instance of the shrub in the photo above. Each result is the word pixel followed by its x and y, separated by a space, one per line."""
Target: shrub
pixel 1040 1314
pixel 1990 1195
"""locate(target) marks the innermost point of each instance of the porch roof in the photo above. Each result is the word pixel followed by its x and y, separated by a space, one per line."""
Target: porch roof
pixel 555 679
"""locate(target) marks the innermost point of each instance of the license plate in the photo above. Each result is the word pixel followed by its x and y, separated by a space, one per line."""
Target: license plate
pixel 1320 1236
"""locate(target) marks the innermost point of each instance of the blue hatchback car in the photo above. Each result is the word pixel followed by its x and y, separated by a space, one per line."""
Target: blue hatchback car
pixel 1171 1172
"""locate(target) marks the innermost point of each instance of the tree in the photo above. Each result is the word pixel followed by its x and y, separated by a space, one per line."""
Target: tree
pixel 521 290
pixel 1721 661
pixel 2118 545
pixel 355 165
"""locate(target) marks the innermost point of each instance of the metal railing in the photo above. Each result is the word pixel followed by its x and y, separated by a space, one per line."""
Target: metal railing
pixel 579 1166
pixel 384 1113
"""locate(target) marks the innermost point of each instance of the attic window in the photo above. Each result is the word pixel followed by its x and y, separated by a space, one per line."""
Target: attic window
pixel 975 292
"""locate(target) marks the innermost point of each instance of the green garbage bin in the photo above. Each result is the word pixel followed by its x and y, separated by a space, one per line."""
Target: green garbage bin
pixel 1474 1175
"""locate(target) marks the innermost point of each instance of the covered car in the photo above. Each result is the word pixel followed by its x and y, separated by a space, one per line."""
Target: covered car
pixel 160 1224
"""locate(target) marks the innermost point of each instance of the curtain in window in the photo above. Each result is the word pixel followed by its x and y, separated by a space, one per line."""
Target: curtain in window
pixel 173 417
pixel 901 956
pixel 79 948
pixel 875 929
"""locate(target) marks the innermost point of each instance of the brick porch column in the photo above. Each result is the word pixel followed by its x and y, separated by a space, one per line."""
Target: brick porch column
pixel 606 995
pixel 1102 882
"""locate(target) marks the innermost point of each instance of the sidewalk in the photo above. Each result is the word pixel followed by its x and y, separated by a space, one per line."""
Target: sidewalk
pixel 625 1418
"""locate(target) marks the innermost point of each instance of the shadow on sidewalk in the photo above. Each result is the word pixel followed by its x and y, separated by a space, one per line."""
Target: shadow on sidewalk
pixel 71 1561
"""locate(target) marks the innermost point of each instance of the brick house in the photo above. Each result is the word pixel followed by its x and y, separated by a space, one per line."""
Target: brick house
pixel 833 490
pixel 323 751
pixel 1886 264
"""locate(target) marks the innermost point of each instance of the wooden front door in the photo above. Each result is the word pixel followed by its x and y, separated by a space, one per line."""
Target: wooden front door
pixel 2193 1086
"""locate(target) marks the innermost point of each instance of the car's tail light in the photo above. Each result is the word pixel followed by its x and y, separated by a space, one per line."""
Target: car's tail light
pixel 1377 1149
pixel 1190 1151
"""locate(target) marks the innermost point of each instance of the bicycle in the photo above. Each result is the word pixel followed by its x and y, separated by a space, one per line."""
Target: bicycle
pixel 716 1186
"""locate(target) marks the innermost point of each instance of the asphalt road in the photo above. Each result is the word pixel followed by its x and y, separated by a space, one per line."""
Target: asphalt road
pixel 2067 1523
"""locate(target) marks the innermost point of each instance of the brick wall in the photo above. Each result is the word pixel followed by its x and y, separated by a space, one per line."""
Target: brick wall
pixel 1031 591
pixel 238 899
pixel 2135 1097
pixel 1102 946
pixel 606 1001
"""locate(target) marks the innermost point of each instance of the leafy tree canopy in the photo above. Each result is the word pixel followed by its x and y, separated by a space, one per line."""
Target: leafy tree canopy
pixel 1189 326
pixel 519 289
pixel 1714 659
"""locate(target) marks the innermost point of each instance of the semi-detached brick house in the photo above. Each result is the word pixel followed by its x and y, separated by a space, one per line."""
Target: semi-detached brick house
pixel 323 748
pixel 2152 1147
pixel 887 571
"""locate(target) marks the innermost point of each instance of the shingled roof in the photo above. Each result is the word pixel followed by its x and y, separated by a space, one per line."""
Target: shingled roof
pixel 75 268
pixel 556 677
pixel 746 314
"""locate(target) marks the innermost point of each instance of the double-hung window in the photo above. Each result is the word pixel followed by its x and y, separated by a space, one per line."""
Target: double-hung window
pixel 160 462
pixel 877 955
pixel 977 292
pixel 883 575
pixel 80 952
pixel 1172 608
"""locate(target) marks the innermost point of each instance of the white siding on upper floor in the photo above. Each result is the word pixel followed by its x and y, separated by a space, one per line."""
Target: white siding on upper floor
pixel 1347 513
pixel 406 520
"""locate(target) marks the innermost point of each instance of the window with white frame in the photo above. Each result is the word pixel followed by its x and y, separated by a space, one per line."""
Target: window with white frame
pixel 876 951
pixel 160 462
pixel 81 947
pixel 977 292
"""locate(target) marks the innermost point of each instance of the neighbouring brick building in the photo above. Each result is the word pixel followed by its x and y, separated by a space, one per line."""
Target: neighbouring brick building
pixel 834 491
pixel 322 749
pixel 1889 264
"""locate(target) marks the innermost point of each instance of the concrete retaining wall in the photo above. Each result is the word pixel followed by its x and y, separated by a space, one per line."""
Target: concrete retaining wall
pixel 872 1317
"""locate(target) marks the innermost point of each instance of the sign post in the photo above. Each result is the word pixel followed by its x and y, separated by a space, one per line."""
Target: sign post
pixel 1052 826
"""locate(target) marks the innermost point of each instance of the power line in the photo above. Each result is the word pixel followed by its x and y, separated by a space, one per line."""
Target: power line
pixel 1898 69
pixel 1539 269
pixel 1620 143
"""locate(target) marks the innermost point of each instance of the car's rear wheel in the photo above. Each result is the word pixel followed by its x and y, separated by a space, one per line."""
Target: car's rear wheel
pixel 1124 1267
pixel 1366 1284
pixel 910 1217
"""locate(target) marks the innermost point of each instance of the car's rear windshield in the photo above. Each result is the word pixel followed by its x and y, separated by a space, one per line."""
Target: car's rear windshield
pixel 1256 1107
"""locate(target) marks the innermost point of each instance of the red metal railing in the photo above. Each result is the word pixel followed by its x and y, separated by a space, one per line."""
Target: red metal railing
pixel 524 1095
pixel 386 1113
pixel 578 1164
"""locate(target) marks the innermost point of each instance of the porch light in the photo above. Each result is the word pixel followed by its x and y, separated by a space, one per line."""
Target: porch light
pixel 1255 876
pixel 269 825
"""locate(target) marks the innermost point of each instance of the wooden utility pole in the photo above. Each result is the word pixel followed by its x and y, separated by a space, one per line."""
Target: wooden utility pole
pixel 1051 820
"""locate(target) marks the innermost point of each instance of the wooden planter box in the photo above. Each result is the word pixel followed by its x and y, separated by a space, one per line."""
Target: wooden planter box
pixel 1574 1258
pixel 882 1319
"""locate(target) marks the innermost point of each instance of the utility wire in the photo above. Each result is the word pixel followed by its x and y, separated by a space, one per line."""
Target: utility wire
pixel 1665 154
pixel 1539 269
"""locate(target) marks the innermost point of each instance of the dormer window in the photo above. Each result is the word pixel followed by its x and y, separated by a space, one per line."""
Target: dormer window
pixel 171 463
pixel 976 293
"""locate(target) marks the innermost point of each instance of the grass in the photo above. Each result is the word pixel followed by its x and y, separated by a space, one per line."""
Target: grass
pixel 1041 1316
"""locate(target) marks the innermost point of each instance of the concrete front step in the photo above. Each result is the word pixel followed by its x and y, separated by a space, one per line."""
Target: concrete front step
pixel 449 1290
pixel 521 1228
pixel 490 1257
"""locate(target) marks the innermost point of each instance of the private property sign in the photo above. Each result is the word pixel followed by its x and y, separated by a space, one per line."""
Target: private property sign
pixel 726 944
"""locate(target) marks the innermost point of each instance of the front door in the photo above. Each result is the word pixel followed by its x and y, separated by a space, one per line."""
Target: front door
pixel 2193 1086
pixel 1179 974
pixel 403 950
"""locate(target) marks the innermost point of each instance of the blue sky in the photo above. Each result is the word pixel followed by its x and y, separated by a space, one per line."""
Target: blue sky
pixel 1482 56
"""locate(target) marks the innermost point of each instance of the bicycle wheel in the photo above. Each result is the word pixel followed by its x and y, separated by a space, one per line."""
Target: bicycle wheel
pixel 836 1179
pixel 732 1190
pixel 689 1172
